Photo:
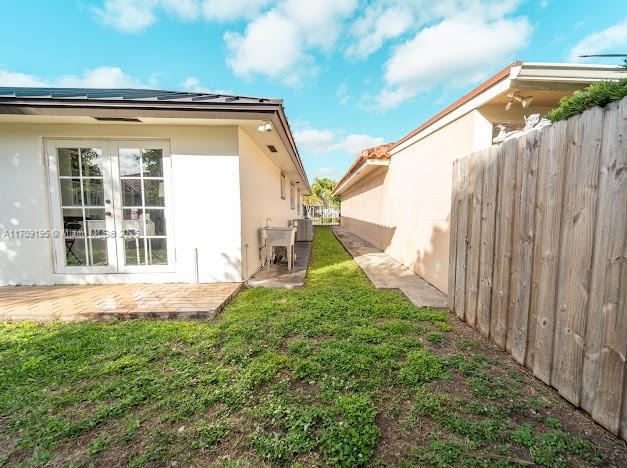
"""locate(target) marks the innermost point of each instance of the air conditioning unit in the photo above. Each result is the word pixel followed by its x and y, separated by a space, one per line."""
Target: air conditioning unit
pixel 304 229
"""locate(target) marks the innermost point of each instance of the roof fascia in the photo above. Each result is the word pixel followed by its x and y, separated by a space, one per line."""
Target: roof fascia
pixel 368 162
pixel 477 101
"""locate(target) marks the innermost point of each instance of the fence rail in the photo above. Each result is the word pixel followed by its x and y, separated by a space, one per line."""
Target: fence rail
pixel 538 255
pixel 323 216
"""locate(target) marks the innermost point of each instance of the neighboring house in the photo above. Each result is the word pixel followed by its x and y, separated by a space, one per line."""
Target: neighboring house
pixel 126 186
pixel 398 196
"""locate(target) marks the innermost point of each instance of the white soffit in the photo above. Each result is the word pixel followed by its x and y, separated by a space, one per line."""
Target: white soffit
pixel 369 166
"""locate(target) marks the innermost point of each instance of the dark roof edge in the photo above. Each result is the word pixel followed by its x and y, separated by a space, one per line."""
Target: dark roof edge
pixel 135 104
pixel 288 131
pixel 120 94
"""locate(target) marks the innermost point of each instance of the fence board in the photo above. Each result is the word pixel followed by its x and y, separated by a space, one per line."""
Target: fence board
pixel 546 250
pixel 522 255
pixel 462 240
pixel 486 256
pixel 531 212
pixel 577 258
pixel 503 241
pixel 606 338
pixel 456 193
pixel 474 238
pixel 600 264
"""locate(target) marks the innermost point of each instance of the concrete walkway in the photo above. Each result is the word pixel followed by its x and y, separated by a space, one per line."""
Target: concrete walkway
pixel 385 272
pixel 278 276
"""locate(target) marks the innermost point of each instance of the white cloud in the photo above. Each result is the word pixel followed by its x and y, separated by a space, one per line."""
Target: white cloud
pixel 231 10
pixel 279 44
pixel 104 77
pixel 330 141
pixel 354 144
pixel 101 77
pixel 8 78
pixel 134 16
pixel 385 20
pixel 271 46
pixel 319 21
pixel 380 22
pixel 129 16
pixel 459 49
pixel 194 85
pixel 184 9
pixel 316 141
pixel 607 40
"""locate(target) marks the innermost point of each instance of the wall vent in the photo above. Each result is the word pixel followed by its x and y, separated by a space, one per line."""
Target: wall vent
pixel 117 119
pixel 273 149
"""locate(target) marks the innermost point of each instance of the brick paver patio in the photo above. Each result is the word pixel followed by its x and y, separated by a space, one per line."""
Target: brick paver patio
pixel 79 302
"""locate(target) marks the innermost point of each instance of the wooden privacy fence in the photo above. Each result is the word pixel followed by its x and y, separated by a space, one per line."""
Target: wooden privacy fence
pixel 538 255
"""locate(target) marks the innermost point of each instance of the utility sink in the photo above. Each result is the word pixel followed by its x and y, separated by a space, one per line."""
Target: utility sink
pixel 280 236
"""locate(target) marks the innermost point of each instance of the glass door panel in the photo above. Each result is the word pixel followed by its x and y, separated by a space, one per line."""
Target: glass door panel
pixel 144 215
pixel 82 205
pixel 82 187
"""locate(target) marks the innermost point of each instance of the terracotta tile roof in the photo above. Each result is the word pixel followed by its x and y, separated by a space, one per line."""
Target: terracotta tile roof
pixel 376 152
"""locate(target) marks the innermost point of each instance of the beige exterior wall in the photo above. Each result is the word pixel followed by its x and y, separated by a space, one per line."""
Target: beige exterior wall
pixel 260 182
pixel 205 197
pixel 363 210
pixel 405 211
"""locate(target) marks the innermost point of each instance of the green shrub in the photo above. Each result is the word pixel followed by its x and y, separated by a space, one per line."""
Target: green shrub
pixel 597 94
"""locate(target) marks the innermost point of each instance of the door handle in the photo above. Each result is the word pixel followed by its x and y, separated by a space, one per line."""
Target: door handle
pixel 107 213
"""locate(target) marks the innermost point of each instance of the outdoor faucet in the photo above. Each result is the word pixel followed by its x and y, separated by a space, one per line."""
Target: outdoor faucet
pixel 268 221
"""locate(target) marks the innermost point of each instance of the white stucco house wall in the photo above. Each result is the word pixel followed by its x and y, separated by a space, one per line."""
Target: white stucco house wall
pixel 398 196
pixel 130 186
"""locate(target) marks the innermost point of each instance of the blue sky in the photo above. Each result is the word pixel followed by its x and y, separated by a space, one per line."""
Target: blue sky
pixel 352 73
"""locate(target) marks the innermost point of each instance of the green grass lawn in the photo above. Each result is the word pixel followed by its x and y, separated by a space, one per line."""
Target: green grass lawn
pixel 336 373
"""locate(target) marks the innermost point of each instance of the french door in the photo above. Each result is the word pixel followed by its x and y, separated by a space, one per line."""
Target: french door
pixel 111 202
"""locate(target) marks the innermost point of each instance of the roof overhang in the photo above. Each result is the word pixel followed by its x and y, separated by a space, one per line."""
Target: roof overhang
pixel 565 77
pixel 25 109
pixel 365 169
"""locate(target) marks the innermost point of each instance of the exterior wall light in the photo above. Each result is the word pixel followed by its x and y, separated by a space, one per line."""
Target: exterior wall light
pixel 265 127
